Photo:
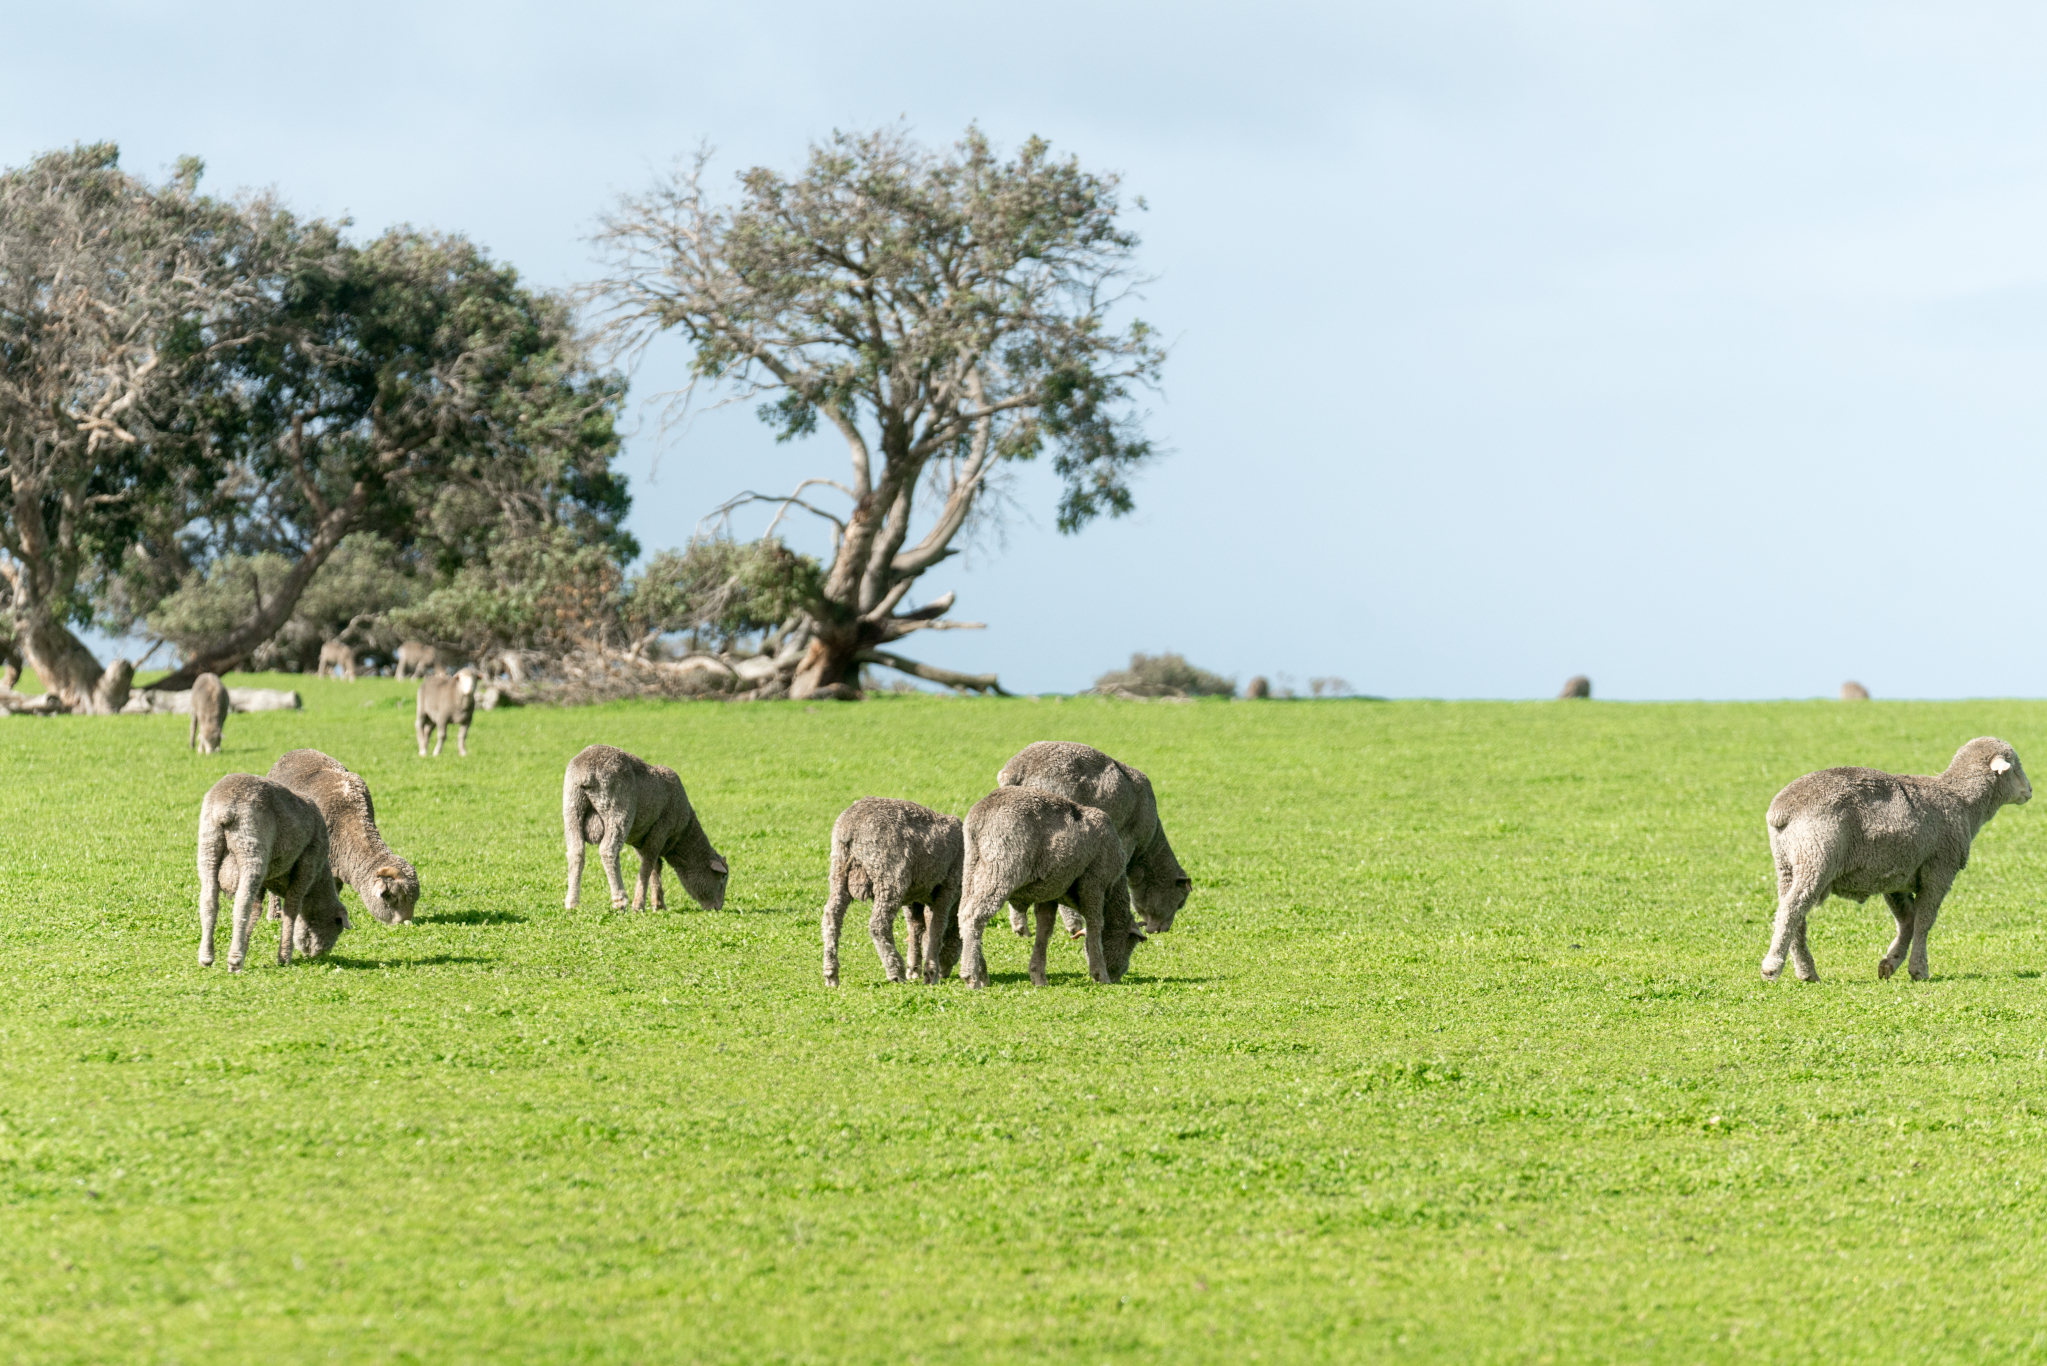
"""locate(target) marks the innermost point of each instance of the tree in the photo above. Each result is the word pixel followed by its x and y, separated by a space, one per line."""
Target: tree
pixel 420 392
pixel 113 294
pixel 347 598
pixel 942 314
pixel 719 589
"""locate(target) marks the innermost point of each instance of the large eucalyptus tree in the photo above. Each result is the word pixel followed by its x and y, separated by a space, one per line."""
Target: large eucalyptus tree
pixel 941 312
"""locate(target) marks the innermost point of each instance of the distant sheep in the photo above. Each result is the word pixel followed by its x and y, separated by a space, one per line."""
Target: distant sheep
pixel 418 656
pixel 1577 685
pixel 257 836
pixel 209 714
pixel 894 853
pixel 1158 884
pixel 1036 849
pixel 613 799
pixel 1858 833
pixel 340 657
pixel 387 884
pixel 1851 691
pixel 444 702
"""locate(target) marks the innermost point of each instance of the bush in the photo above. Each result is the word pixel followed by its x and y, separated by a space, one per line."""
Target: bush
pixel 1166 675
pixel 359 582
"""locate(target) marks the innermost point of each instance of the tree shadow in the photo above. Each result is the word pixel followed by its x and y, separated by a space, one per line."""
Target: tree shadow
pixel 471 918
pixel 338 961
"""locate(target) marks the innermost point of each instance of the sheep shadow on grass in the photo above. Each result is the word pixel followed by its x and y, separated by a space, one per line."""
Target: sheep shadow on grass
pixel 340 962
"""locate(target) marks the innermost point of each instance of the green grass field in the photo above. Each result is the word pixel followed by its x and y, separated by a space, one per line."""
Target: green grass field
pixel 1458 1053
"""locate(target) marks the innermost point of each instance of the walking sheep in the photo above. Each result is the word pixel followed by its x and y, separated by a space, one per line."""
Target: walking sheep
pixel 1037 849
pixel 442 702
pixel 416 655
pixel 893 853
pixel 611 799
pixel 1158 884
pixel 1858 833
pixel 387 884
pixel 339 656
pixel 209 713
pixel 257 836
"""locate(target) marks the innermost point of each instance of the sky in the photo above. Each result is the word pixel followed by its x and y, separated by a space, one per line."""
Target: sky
pixel 1696 348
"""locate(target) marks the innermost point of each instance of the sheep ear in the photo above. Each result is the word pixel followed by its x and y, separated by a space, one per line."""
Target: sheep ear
pixel 1999 764
pixel 718 865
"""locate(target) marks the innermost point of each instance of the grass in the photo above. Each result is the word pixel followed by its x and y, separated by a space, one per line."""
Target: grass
pixel 1458 1053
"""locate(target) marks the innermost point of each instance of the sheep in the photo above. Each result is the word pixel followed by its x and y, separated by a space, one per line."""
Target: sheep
pixel 256 835
pixel 895 853
pixel 1851 691
pixel 1857 833
pixel 417 654
pixel 209 712
pixel 444 702
pixel 1039 849
pixel 1158 884
pixel 387 884
pixel 611 799
pixel 340 656
pixel 1258 689
pixel 1576 686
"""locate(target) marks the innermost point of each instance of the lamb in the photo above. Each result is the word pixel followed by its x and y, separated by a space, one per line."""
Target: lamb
pixel 418 655
pixel 257 836
pixel 340 656
pixel 444 702
pixel 387 884
pixel 611 799
pixel 1576 686
pixel 209 713
pixel 1857 833
pixel 1158 884
pixel 1038 849
pixel 894 853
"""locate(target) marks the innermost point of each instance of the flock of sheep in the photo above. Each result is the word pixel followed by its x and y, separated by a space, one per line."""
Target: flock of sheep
pixel 1069 835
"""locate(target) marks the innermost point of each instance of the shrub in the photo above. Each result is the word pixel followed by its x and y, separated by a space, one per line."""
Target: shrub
pixel 1166 675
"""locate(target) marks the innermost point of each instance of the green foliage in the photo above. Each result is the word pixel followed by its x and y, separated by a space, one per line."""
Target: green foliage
pixel 361 580
pixel 551 592
pixel 721 588
pixel 1457 1054
pixel 1167 675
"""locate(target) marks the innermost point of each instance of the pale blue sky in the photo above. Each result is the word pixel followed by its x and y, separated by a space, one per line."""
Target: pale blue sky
pixel 1694 347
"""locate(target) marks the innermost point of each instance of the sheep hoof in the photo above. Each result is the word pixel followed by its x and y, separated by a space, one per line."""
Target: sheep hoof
pixel 205 960
pixel 1884 968
pixel 1770 969
pixel 1808 974
pixel 1920 974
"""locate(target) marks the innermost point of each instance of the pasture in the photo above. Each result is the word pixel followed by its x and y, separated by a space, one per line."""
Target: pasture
pixel 1457 1053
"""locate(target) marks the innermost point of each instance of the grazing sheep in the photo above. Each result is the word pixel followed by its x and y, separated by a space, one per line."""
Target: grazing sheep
pixel 340 657
pixel 1851 691
pixel 417 655
pixel 1158 884
pixel 1858 833
pixel 1577 685
pixel 257 836
pixel 1258 689
pixel 387 884
pixel 209 713
pixel 1039 849
pixel 611 799
pixel 893 853
pixel 444 702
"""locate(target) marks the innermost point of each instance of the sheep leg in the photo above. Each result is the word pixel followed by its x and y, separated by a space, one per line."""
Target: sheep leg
pixel 1090 909
pixel 1933 889
pixel 572 820
pixel 1047 917
pixel 913 930
pixel 882 926
pixel 440 737
pixel 462 740
pixel 974 920
pixel 1791 912
pixel 251 859
pixel 941 933
pixel 660 891
pixel 1019 921
pixel 648 863
pixel 609 850
pixel 212 849
pixel 833 921
pixel 1901 911
pixel 419 729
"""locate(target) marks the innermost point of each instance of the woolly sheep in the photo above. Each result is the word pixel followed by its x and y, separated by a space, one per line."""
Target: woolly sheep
pixel 209 713
pixel 444 702
pixel 611 799
pixel 1851 691
pixel 1158 884
pixel 257 836
pixel 1035 848
pixel 416 655
pixel 894 853
pixel 1858 833
pixel 340 656
pixel 387 884
pixel 1577 685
